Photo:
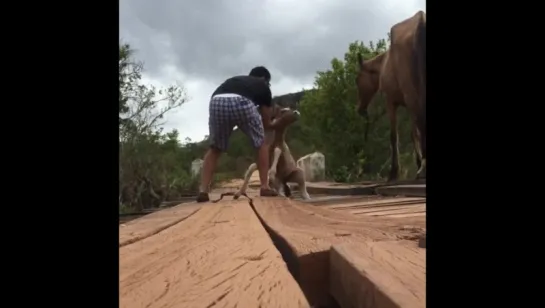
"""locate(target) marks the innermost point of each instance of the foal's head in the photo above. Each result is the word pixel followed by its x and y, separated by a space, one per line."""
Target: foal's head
pixel 286 117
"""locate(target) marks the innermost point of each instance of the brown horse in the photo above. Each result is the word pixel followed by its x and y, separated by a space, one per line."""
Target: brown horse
pixel 400 73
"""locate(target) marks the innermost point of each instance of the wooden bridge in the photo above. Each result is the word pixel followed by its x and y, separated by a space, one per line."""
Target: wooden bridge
pixel 333 251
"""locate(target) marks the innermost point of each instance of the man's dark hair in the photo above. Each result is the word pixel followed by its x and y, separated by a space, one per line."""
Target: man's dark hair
pixel 260 71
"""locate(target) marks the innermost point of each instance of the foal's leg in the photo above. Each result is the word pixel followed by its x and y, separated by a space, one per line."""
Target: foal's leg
pixel 417 149
pixel 421 121
pixel 278 186
pixel 276 158
pixel 247 175
pixel 298 176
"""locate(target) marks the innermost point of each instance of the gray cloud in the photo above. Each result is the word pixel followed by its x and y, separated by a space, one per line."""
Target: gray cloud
pixel 214 39
pixel 201 43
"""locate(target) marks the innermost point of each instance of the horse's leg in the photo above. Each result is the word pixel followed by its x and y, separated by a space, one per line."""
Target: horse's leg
pixel 247 175
pixel 417 148
pixel 391 109
pixel 421 121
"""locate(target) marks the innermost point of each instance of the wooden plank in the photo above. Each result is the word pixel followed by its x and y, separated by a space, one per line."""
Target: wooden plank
pixel 416 208
pixel 304 234
pixel 327 201
pixel 378 275
pixel 379 202
pixel 140 228
pixel 219 257
pixel 408 215
pixel 405 226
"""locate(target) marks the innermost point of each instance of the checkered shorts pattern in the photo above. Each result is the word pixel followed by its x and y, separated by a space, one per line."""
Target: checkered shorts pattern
pixel 226 112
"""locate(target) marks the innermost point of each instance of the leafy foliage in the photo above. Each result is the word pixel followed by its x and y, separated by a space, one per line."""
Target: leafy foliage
pixel 151 163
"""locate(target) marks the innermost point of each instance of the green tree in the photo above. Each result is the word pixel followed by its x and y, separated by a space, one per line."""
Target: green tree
pixel 153 166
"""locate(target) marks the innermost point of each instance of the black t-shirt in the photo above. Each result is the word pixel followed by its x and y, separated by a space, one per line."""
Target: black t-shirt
pixel 255 89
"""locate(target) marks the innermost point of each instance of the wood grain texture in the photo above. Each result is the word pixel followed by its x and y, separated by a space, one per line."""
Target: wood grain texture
pixel 375 202
pixel 414 208
pixel 221 256
pixel 378 275
pixel 140 228
pixel 406 225
pixel 305 234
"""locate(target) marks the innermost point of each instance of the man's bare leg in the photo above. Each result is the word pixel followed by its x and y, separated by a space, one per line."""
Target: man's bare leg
pixel 209 165
pixel 263 165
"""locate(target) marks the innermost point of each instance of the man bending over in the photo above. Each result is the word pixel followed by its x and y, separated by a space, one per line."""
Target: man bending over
pixel 245 102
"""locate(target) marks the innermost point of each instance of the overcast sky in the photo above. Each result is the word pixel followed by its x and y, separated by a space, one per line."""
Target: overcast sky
pixel 202 43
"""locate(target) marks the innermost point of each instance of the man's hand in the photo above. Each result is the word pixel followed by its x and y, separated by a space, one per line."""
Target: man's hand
pixel 266 115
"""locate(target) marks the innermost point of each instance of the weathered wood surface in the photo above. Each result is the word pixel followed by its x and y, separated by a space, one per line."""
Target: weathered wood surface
pixel 385 211
pixel 405 217
pixel 140 228
pixel 326 200
pixel 376 202
pixel 305 234
pixel 339 189
pixel 406 226
pixel 221 256
pixel 378 275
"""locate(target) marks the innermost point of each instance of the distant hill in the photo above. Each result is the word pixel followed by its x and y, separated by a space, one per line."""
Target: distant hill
pixel 290 100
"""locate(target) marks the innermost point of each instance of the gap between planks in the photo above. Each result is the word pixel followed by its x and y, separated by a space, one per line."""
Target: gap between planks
pixel 219 256
pixel 378 275
pixel 309 234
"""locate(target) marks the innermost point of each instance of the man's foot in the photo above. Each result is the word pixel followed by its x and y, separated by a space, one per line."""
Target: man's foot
pixel 267 192
pixel 202 197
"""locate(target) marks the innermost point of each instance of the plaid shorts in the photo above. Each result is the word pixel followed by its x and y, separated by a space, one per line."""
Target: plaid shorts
pixel 228 111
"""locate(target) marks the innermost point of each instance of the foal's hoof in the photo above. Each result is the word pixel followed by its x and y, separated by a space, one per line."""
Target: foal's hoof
pixel 421 174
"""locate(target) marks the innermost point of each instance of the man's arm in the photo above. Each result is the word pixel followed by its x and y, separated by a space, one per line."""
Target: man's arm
pixel 266 108
pixel 266 115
